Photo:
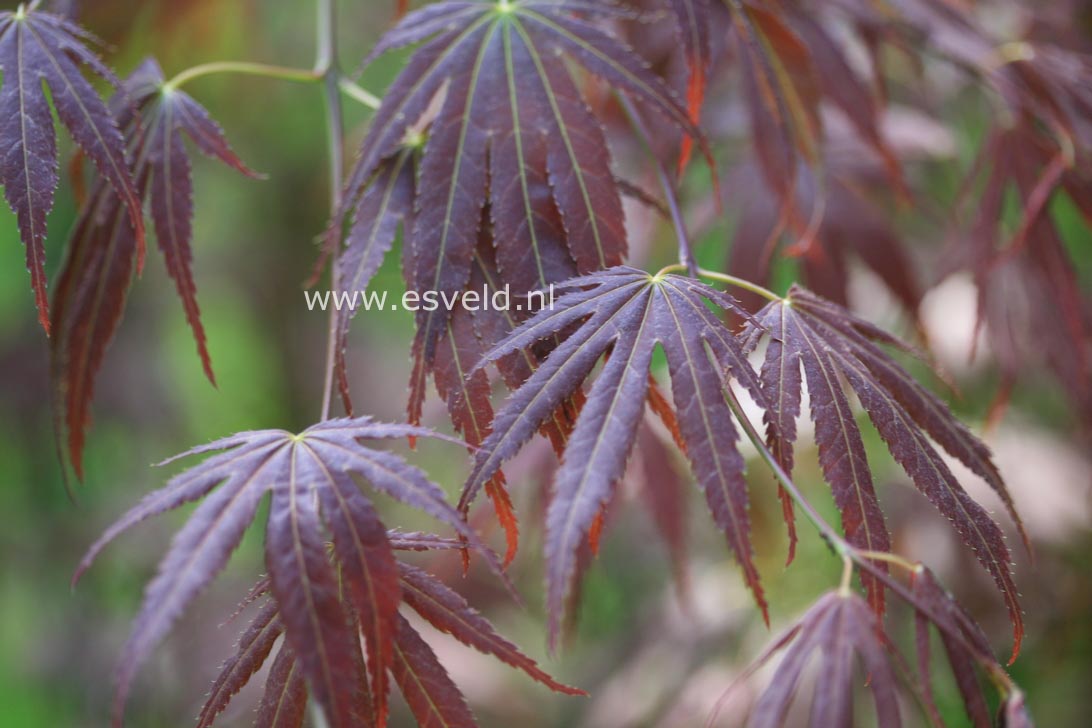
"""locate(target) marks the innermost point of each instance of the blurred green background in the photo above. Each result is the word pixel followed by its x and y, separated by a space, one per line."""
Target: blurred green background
pixel 646 658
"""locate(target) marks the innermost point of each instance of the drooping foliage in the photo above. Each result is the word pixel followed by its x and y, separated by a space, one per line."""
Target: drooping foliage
pixel 833 346
pixel 90 298
pixel 40 50
pixel 512 149
pixel 310 479
pixel 495 153
pixel 842 628
pixel 846 633
pixel 621 315
pixel 1029 289
pixel 964 645
pixel 428 690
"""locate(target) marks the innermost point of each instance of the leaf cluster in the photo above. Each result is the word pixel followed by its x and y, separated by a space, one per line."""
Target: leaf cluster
pixel 490 156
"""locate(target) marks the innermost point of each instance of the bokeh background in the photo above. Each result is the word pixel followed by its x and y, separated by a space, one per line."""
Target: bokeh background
pixel 648 652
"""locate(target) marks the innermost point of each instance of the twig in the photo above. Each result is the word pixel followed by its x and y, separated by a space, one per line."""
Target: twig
pixel 326 68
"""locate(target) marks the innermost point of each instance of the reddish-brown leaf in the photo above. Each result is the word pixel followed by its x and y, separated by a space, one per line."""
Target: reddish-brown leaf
pixel 414 667
pixel 168 181
pixel 284 703
pixel 964 645
pixel 254 647
pixel 504 128
pixel 833 344
pixel 433 698
pixel 91 295
pixel 368 570
pixel 841 627
pixel 307 592
pixel 448 612
pixel 326 456
pixel 38 50
pixel 624 313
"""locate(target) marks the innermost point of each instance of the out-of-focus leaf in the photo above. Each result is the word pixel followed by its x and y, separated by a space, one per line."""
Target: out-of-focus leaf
pixel 842 628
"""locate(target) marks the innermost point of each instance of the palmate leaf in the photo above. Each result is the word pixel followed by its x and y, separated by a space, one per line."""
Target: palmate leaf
pixel 841 627
pixel 841 450
pixel 167 117
pixel 622 314
pixel 432 696
pixel 311 477
pixel 90 297
pixel 832 345
pixel 508 130
pixel 38 50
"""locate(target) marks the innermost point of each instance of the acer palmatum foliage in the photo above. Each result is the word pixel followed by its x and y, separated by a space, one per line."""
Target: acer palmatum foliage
pixel 846 632
pixel 832 346
pixel 626 313
pixel 37 50
pixel 430 693
pixel 489 157
pixel 843 629
pixel 509 132
pixel 311 479
pixel 94 282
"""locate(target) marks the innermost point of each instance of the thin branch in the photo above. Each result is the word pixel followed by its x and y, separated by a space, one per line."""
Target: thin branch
pixel 828 532
pixel 299 75
pixel 686 253
pixel 355 92
pixel 847 575
pixel 911 567
pixel 326 68
pixel 669 269
pixel 740 283
pixel 283 73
